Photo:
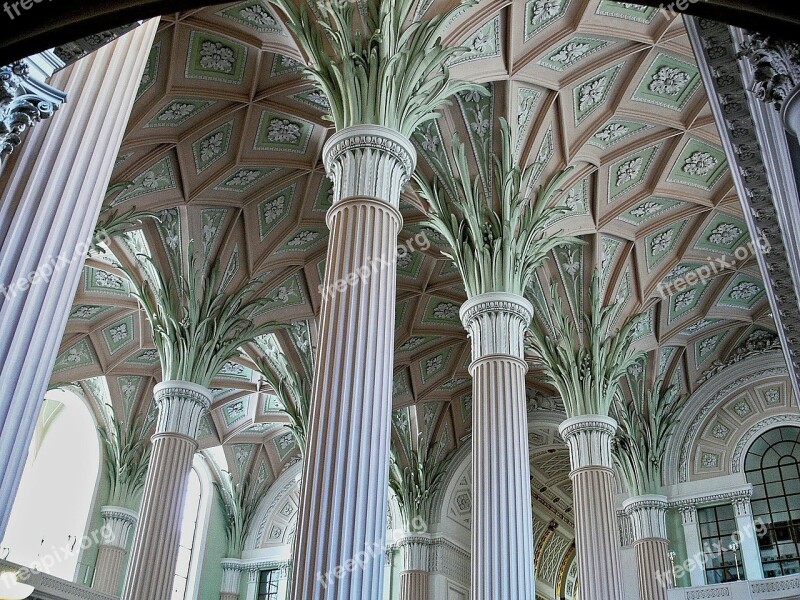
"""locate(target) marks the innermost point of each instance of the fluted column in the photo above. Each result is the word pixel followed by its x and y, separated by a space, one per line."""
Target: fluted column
pixel 415 574
pixel 648 517
pixel 596 540
pixel 118 523
pixel 694 551
pixel 342 524
pixel 502 520
pixel 231 579
pixel 51 190
pixel 155 546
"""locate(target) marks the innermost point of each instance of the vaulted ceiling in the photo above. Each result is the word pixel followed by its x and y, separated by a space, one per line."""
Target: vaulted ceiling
pixel 225 141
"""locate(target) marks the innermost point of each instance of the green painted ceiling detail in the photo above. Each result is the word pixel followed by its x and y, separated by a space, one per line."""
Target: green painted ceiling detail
pixel 615 131
pixel 660 244
pixel 236 411
pixel 705 347
pixel 478 114
pixel 243 178
pixel 546 150
pixel 686 300
pixel 724 233
pixel 591 93
pixel 304 239
pixel 78 355
pixel 234 370
pixel 541 13
pixel 212 146
pixel 150 73
pixel 86 312
pixel 119 334
pixel 103 282
pixel 699 326
pixel 526 103
pixel 230 268
pixel 434 364
pixel 274 209
pixel 401 385
pixel 441 311
pixel 699 165
pixel 629 172
pixel 609 247
pixel 211 227
pixel 409 264
pixel 644 324
pixel 324 198
pixel 288 293
pixel 314 98
pixel 215 58
pixel 178 111
pixel 415 343
pixel 567 54
pixel 648 209
pixel 743 291
pixel 254 14
pixel 148 356
pixel 484 43
pixel 156 178
pixel 285 65
pixel 627 10
pixel 278 132
pixel 570 263
pixel 669 82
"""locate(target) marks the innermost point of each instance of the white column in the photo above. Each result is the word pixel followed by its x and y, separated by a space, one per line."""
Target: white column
pixel 155 546
pixel 648 518
pixel 694 549
pixel 231 578
pixel 415 574
pixel 51 191
pixel 502 519
pixel 596 540
pixel 118 523
pixel 341 529
pixel 748 540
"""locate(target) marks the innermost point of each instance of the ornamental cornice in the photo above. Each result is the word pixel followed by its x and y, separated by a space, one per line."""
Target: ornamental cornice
pixel 694 502
pixel 23 103
pixel 751 144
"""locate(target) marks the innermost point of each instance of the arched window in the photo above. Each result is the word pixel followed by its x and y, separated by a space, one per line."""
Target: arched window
pixel 191 515
pixel 772 465
pixel 196 510
pixel 63 463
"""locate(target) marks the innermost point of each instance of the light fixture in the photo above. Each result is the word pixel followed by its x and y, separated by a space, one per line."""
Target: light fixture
pixel 11 588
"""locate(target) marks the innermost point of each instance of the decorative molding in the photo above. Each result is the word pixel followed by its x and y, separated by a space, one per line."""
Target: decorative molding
pixel 589 440
pixel 23 103
pixel 369 161
pixel 496 324
pixel 74 51
pixel 776 67
pixel 692 503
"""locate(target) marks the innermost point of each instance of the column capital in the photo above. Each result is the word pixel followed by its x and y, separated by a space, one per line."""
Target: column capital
pixel 688 513
pixel 496 324
pixel 117 525
pixel 648 514
pixel 23 103
pixel 741 505
pixel 416 552
pixel 181 405
pixel 589 440
pixel 231 575
pixel 369 161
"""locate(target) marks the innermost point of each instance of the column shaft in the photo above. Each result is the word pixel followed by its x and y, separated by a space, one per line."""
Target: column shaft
pixel 648 517
pixel 340 546
pixel 51 191
pixel 596 537
pixel 117 525
pixel 414 585
pixel 155 546
pixel 502 520
pixel 751 554
pixel 694 551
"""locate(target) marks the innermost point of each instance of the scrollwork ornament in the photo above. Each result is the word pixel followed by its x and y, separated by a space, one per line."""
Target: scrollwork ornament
pixel 776 65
